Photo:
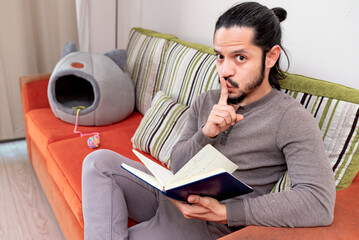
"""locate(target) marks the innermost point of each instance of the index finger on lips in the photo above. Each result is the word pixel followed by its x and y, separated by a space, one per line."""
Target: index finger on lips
pixel 224 92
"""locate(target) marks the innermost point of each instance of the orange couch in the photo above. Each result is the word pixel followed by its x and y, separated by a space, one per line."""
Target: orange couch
pixel 58 167
pixel 57 153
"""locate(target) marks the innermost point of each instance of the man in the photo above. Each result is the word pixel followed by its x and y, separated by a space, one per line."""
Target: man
pixel 262 130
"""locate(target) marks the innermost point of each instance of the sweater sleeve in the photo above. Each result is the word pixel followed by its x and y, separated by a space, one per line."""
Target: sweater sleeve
pixel 310 202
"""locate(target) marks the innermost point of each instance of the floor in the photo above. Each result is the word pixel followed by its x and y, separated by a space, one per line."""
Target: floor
pixel 24 210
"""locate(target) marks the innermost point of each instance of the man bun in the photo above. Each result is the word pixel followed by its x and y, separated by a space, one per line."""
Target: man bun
pixel 281 13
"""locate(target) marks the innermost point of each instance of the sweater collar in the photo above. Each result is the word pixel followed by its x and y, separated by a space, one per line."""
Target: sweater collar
pixel 260 102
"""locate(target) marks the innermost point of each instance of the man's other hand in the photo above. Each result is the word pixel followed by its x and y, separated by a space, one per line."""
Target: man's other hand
pixel 202 208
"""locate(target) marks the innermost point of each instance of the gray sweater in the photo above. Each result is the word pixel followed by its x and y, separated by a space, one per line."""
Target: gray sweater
pixel 276 134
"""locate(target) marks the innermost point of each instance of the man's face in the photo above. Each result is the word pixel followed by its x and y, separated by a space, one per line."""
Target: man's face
pixel 239 62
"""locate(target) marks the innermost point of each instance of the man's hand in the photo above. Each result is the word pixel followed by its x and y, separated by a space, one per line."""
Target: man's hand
pixel 222 115
pixel 202 208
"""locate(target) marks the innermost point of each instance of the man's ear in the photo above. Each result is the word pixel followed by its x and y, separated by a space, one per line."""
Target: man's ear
pixel 272 56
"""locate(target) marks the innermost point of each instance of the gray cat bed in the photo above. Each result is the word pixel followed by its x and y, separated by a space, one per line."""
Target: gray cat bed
pixel 95 83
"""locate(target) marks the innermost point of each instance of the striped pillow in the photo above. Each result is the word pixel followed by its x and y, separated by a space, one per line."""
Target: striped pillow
pixel 190 70
pixel 338 121
pixel 283 184
pixel 145 52
pixel 160 128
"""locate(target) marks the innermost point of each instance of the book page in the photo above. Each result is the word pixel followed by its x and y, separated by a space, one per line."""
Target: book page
pixel 162 174
pixel 143 176
pixel 194 178
pixel 206 160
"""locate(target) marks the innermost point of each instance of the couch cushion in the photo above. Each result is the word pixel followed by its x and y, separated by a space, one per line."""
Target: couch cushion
pixel 161 128
pixel 65 165
pixel 336 109
pixel 145 51
pixel 189 70
pixel 44 128
pixel 344 227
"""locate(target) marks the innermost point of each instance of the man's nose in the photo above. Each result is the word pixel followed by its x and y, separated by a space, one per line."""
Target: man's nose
pixel 226 69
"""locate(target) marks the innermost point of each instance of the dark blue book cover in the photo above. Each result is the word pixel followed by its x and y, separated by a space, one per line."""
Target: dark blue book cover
pixel 221 186
pixel 208 173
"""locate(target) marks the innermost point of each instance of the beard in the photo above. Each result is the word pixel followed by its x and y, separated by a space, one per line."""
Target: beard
pixel 257 81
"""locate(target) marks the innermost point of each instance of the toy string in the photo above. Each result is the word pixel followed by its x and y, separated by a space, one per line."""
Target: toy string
pixel 77 118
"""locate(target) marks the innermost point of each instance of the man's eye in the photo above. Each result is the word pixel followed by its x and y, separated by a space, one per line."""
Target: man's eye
pixel 241 58
pixel 219 57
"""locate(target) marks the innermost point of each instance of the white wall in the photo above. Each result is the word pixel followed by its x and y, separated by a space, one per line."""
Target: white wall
pixel 102 25
pixel 322 37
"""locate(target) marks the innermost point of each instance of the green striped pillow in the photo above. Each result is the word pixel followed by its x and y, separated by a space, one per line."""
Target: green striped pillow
pixel 145 52
pixel 337 113
pixel 190 70
pixel 161 127
pixel 283 184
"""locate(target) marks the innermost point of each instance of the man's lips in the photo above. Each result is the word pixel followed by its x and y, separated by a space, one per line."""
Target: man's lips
pixel 228 85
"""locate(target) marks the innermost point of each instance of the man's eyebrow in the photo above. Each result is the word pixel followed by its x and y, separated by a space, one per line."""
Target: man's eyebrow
pixel 239 51
pixel 233 52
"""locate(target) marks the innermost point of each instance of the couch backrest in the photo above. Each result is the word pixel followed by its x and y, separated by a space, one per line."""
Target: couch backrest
pixel 336 109
pixel 183 70
pixel 189 70
pixel 145 56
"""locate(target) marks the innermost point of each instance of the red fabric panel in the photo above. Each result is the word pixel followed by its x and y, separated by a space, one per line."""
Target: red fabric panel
pixel 43 124
pixel 70 225
pixel 345 225
pixel 44 128
pixel 65 164
pixel 34 91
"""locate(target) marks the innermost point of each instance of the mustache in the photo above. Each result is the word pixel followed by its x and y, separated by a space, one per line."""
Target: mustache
pixel 230 81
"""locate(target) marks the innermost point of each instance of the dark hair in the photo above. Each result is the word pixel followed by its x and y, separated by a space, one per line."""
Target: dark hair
pixel 266 26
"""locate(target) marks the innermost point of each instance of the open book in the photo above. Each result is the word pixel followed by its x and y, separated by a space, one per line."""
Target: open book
pixel 208 173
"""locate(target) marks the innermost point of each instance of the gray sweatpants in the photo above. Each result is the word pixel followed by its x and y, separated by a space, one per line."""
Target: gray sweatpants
pixel 110 195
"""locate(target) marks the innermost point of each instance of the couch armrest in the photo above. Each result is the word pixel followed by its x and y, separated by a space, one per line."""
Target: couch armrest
pixel 34 91
pixel 345 225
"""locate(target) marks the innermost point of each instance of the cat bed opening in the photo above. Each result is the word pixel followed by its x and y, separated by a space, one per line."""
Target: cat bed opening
pixel 73 91
pixel 93 83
